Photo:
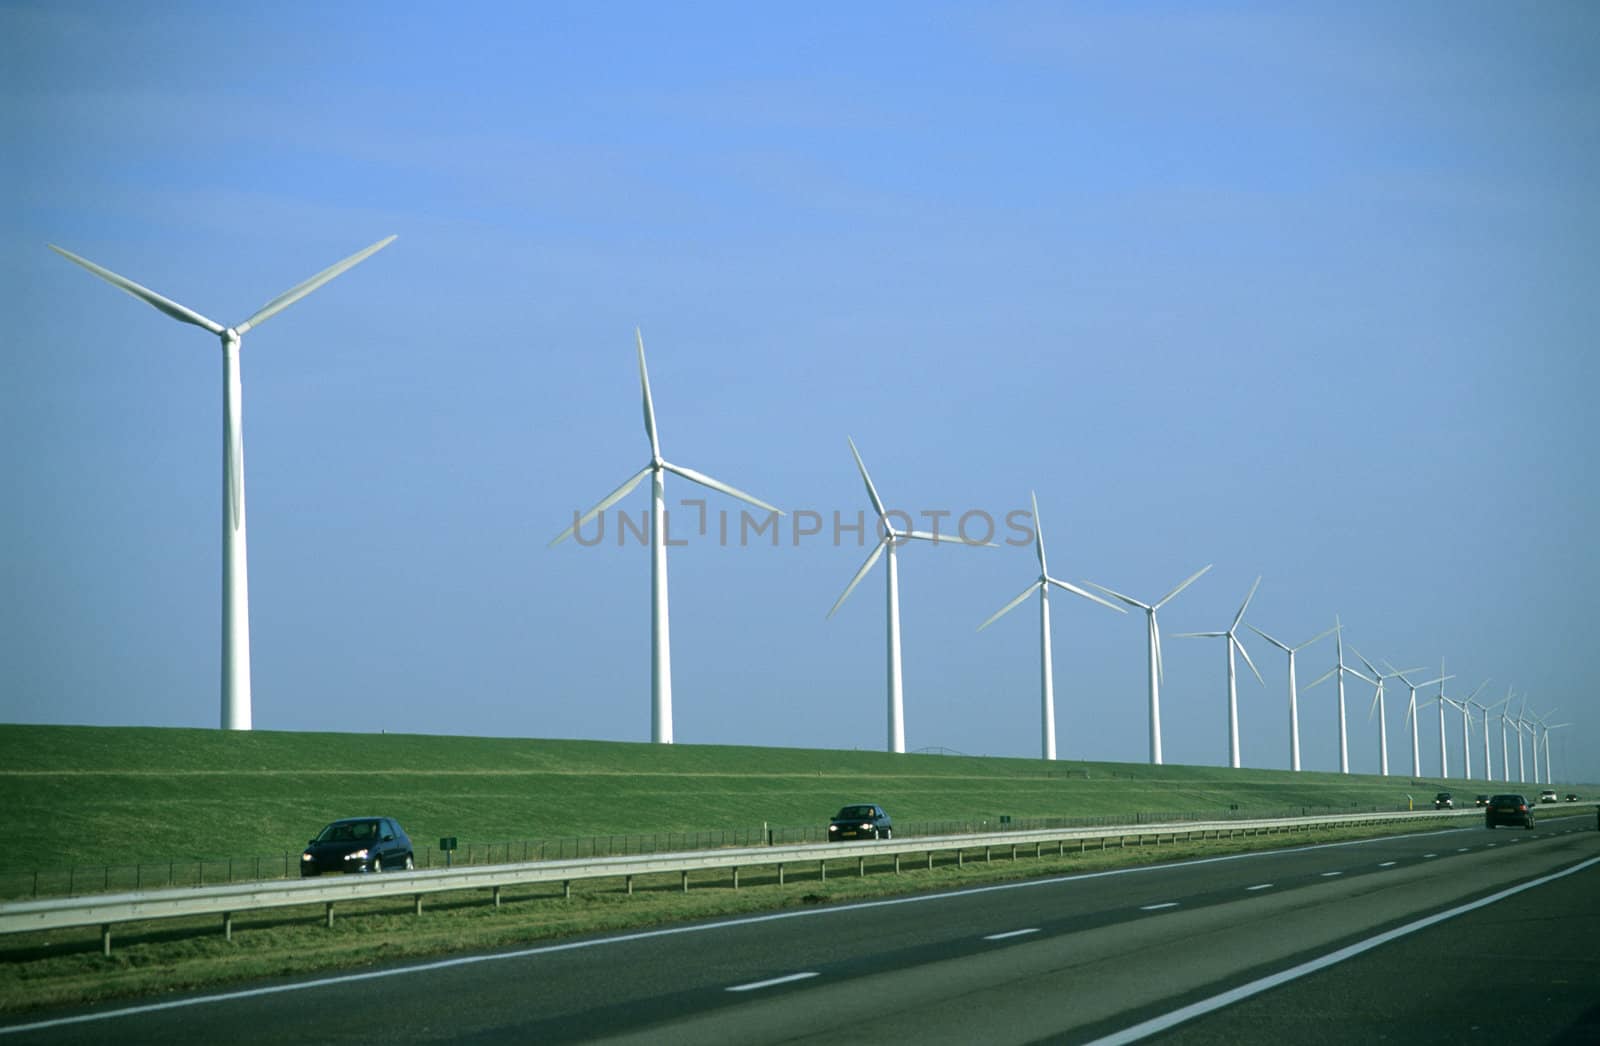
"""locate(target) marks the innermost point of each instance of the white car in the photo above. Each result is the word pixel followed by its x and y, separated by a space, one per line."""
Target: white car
pixel 1547 796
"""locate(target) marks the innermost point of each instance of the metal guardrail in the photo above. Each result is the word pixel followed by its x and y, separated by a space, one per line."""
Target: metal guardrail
pixel 108 910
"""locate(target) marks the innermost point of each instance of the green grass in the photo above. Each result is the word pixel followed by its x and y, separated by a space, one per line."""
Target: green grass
pixel 89 797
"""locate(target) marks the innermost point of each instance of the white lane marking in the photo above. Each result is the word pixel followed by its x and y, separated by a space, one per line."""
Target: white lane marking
pixel 1388 864
pixel 1013 933
pixel 1430 855
pixel 1491 844
pixel 754 985
pixel 1245 991
pixel 1463 849
pixel 1157 907
pixel 1329 875
pixel 1260 886
pixel 644 935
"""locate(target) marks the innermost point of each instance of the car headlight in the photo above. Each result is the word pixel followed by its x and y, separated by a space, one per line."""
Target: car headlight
pixel 359 855
pixel 866 826
pixel 306 856
pixel 833 828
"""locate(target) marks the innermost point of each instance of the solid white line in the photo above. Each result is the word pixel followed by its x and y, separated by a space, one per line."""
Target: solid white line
pixel 754 985
pixel 1245 991
pixel 1430 855
pixel 1157 907
pixel 1464 849
pixel 1260 886
pixel 1329 875
pixel 642 935
pixel 1013 933
pixel 1388 864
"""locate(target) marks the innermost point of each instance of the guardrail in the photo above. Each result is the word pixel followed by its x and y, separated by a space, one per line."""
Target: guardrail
pixel 108 910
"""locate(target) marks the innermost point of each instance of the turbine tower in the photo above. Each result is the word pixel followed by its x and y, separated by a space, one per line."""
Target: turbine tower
pixel 1042 585
pixel 1488 762
pixel 1411 717
pixel 1522 766
pixel 660 632
pixel 1549 771
pixel 1532 728
pixel 1231 635
pixel 1294 703
pixel 1466 728
pixel 1505 749
pixel 1339 669
pixel 888 538
pixel 1153 631
pixel 236 710
pixel 1377 680
pixel 1536 721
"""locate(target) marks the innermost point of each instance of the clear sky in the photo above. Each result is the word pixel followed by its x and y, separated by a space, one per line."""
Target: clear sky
pixel 1308 293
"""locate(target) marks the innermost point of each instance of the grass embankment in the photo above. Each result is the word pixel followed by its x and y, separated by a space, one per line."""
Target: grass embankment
pixel 99 796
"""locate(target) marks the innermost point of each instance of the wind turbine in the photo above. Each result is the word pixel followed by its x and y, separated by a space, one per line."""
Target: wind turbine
pixel 1411 717
pixel 1042 585
pixel 660 633
pixel 1154 633
pixel 1466 728
pixel 888 538
pixel 236 711
pixel 1488 763
pixel 1231 635
pixel 1505 749
pixel 1294 705
pixel 1549 771
pixel 1377 680
pixel 1522 766
pixel 1339 669
pixel 1532 728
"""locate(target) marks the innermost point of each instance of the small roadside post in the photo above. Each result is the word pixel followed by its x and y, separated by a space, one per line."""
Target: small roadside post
pixel 447 843
pixel 1409 805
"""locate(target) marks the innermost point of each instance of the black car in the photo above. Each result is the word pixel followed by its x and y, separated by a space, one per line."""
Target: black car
pixel 1508 809
pixel 358 844
pixel 861 821
pixel 1444 801
pixel 1481 800
pixel 1572 797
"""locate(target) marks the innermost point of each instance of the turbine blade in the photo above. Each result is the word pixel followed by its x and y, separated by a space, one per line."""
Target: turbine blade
pixel 872 557
pixel 300 290
pixel 1358 675
pixel 1323 678
pixel 605 503
pixel 1191 580
pixel 1478 691
pixel 872 492
pixel 1155 633
pixel 1126 599
pixel 1075 590
pixel 706 481
pixel 1003 611
pixel 940 539
pixel 144 294
pixel 1281 646
pixel 1240 615
pixel 1038 535
pixel 1246 653
pixel 649 405
pixel 1319 636
pixel 1373 710
pixel 1198 635
pixel 1370 666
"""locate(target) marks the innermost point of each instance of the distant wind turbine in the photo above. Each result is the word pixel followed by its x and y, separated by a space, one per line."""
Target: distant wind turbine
pixel 1294 704
pixel 1549 771
pixel 1153 631
pixel 1505 749
pixel 1411 717
pixel 1231 635
pixel 660 632
pixel 1488 762
pixel 1339 669
pixel 236 709
pixel 1042 585
pixel 1466 729
pixel 888 538
pixel 1377 680
pixel 1522 766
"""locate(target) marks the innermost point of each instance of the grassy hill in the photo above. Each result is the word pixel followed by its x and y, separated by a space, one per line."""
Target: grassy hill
pixel 100 795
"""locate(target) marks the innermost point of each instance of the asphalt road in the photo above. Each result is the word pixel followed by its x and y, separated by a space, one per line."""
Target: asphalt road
pixel 1069 959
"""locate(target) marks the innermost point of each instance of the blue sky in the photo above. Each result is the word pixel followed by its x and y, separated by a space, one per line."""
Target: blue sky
pixel 1302 293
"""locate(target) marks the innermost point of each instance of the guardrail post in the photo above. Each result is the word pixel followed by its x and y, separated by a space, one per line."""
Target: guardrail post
pixel 105 940
pixel 227 926
pixel 330 915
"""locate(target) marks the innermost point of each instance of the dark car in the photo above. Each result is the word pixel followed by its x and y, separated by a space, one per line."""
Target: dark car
pixel 1572 797
pixel 861 821
pixel 1508 809
pixel 358 844
pixel 1444 801
pixel 1481 800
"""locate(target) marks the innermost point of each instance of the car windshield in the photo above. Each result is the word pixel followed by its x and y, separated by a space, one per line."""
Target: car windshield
pixel 854 813
pixel 348 832
pixel 1507 799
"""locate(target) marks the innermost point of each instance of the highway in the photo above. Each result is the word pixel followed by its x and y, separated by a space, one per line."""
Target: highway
pixel 1241 948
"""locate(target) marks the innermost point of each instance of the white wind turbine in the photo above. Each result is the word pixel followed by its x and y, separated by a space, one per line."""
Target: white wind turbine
pixel 236 710
pixel 1294 703
pixel 1505 748
pixel 1154 633
pixel 1530 724
pixel 1549 771
pixel 888 538
pixel 1231 635
pixel 1522 766
pixel 1377 680
pixel 1042 586
pixel 1488 762
pixel 1535 721
pixel 1339 669
pixel 1411 717
pixel 1466 728
pixel 660 633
